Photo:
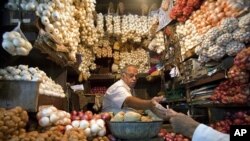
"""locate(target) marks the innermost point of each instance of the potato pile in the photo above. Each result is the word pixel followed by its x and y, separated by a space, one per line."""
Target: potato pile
pixel 52 135
pixel 132 116
pixel 12 122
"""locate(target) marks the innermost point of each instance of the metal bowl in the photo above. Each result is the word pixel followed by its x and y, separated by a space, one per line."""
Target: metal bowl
pixel 134 130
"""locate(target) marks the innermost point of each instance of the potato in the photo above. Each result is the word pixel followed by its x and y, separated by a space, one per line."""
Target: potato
pixel 3 128
pixel 1 123
pixel 132 116
pixel 10 124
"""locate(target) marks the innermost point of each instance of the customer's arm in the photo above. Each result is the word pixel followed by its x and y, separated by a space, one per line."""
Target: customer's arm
pixel 206 133
pixel 190 128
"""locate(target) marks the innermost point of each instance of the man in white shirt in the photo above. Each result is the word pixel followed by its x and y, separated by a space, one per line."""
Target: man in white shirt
pixel 119 96
pixel 190 128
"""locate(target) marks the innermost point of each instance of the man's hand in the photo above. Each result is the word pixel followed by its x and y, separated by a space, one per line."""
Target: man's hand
pixel 157 99
pixel 183 124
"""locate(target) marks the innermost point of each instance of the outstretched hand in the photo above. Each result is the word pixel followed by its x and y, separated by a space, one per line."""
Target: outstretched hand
pixel 183 124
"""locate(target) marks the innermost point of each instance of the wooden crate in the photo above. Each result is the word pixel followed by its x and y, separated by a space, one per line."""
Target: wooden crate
pixel 19 93
pixel 26 94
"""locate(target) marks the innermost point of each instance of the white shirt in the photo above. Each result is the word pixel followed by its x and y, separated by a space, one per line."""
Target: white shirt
pixel 206 133
pixel 115 97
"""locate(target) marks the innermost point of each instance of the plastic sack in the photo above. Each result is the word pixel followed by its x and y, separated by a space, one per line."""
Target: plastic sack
pixel 15 42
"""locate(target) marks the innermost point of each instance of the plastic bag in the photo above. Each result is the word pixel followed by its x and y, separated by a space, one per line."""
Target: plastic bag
pixel 15 42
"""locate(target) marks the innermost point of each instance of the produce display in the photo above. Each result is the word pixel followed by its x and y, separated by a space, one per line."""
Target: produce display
pixel 134 116
pixel 26 5
pixel 58 19
pixel 209 30
pixel 137 57
pixel 204 19
pixel 236 88
pixel 50 115
pixel 87 63
pixel 222 40
pixel 183 9
pixel 23 72
pixel 12 122
pixel 15 43
pixel 171 136
pixel 242 59
pixel 157 44
pixel 237 118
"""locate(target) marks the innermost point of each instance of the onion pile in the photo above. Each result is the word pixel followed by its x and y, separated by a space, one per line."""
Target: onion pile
pixel 92 125
pixel 238 75
pixel 171 136
pixel 212 12
pixel 23 72
pixel 15 43
pixel 242 59
pixel 238 118
pixel 230 92
pixel 183 9
pixel 49 115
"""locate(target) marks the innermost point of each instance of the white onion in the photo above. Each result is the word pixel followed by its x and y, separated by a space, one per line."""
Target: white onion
pixel 84 124
pixel 75 123
pixel 44 121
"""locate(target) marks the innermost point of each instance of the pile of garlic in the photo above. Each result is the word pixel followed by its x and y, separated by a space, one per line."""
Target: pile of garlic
pixel 117 25
pixel 85 17
pixel 138 57
pixel 134 27
pixel 188 36
pixel 157 44
pixel 100 25
pixel 50 115
pixel 15 44
pixel 129 27
pixel 58 17
pixel 109 25
pixel 23 72
pixel 227 38
pixel 103 49
pixel 87 63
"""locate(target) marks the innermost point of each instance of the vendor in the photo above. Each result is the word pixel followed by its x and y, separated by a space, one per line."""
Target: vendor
pixel 120 96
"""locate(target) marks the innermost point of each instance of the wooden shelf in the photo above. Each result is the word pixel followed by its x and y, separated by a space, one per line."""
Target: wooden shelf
pixel 174 100
pixel 102 76
pixel 206 79
pixel 219 105
pixel 112 76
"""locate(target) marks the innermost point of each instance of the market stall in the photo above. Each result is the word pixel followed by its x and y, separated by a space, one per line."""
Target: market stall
pixel 59 57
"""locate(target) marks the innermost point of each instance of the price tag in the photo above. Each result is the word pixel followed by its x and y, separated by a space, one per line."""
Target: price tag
pixel 77 87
